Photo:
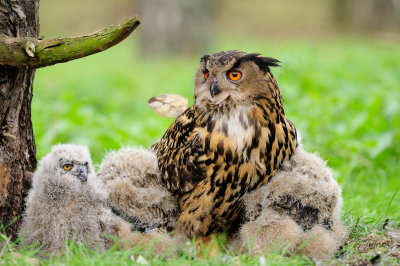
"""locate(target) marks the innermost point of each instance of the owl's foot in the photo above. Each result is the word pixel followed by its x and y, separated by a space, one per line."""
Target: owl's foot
pixel 207 246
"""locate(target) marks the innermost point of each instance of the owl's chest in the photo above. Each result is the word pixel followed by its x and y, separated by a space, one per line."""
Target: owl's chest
pixel 233 131
pixel 238 131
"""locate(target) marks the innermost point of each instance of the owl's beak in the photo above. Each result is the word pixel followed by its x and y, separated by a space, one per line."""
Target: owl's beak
pixel 214 89
pixel 82 173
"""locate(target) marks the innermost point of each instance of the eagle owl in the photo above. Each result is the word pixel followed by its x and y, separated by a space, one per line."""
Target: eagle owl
pixel 61 205
pixel 231 141
pixel 298 211
pixel 135 191
pixel 67 203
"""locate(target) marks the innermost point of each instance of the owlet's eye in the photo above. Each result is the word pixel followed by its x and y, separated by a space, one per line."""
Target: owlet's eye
pixel 205 74
pixel 234 75
pixel 67 167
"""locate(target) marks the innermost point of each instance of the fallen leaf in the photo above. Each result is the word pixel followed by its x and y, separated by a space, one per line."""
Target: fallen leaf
pixel 142 260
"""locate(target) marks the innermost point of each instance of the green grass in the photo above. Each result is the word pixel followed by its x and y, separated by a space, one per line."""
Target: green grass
pixel 342 95
pixel 78 254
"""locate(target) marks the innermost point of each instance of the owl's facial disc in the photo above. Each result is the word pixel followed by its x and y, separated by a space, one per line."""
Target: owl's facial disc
pixel 234 76
pixel 77 170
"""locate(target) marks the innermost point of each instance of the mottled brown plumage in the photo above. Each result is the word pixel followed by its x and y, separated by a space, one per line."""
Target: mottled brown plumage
pixel 230 142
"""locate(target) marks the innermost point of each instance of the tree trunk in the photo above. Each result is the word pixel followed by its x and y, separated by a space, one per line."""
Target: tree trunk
pixel 367 15
pixel 18 18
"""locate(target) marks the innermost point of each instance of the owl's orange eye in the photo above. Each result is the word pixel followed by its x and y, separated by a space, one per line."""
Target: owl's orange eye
pixel 206 75
pixel 234 75
pixel 67 167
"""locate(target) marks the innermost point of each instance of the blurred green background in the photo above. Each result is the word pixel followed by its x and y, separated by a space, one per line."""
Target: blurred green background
pixel 340 78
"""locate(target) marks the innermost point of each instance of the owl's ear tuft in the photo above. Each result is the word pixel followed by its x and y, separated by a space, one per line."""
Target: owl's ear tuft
pixel 265 62
pixel 261 61
pixel 205 58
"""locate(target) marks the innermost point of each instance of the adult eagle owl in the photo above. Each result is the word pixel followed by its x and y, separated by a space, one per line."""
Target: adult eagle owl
pixel 231 141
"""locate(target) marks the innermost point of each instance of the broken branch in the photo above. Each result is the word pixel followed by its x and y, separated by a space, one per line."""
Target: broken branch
pixel 35 53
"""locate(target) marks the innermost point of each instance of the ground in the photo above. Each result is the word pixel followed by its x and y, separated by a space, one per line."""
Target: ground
pixel 342 95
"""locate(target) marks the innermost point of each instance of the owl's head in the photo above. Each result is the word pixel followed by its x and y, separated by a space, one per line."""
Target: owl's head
pixel 66 163
pixel 234 75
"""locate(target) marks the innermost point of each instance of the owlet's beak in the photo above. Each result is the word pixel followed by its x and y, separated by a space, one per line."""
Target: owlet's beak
pixel 214 89
pixel 82 173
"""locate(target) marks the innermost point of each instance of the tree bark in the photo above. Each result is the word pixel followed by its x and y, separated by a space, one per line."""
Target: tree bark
pixel 18 18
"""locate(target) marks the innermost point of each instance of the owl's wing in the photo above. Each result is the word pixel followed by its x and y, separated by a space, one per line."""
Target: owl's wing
pixel 178 154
